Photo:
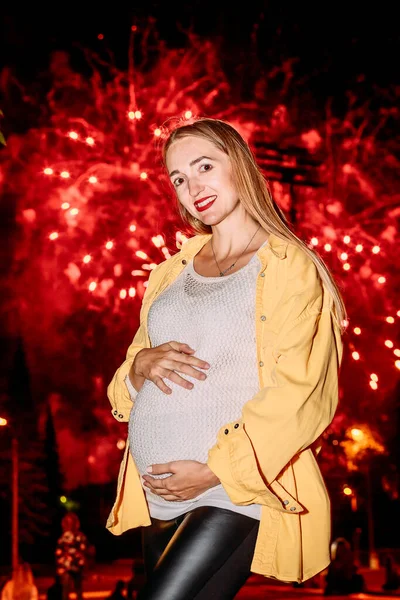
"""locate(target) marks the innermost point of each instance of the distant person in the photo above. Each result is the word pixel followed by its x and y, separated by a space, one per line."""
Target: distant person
pixel 71 556
pixel 119 592
pixel 55 591
pixel 342 577
pixel 392 579
pixel 21 586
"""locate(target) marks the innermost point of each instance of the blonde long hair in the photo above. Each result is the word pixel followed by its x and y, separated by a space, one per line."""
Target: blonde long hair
pixel 254 194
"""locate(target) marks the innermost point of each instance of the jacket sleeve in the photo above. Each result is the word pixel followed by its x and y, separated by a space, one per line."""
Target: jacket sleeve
pixel 117 391
pixel 292 411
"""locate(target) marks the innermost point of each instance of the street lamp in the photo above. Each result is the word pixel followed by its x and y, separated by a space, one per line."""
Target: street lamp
pixel 361 443
pixel 14 496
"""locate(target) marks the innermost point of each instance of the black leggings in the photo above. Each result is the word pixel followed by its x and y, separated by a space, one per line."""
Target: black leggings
pixel 204 554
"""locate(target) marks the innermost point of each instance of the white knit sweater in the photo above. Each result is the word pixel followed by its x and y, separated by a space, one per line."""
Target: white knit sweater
pixel 216 317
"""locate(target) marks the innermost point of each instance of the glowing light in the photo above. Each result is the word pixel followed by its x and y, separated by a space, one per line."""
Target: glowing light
pixel 123 294
pixel 347 168
pixel 188 114
pixel 357 330
pixel 397 364
pixel 63 499
pixel 357 434
pixel 54 235
pixel 389 344
pixel 132 292
pixel 138 273
pixel 89 141
pixel 328 247
pixel 381 279
pixel 100 36
pixel 314 241
pixel 390 319
pixel 64 174
pixel 347 239
pixel 131 115
pixel 356 356
pixel 359 248
pixel 48 171
pixel 92 286
pixel 109 245
pixel 335 442
pixel 132 228
pixel 91 460
pixel 396 352
pixel 138 114
pixel 3 422
pixel 347 491
pixel 157 132
pixel 346 267
pixel 87 259
pixel 73 135
pixel 373 385
pixel 74 211
pixel 121 444
pixel 143 175
pixel 398 313
pixel 141 254
pixel 65 205
pixel 374 377
pixel 344 256
pixel 345 323
pixel 92 179
pixel 158 241
pixel 376 249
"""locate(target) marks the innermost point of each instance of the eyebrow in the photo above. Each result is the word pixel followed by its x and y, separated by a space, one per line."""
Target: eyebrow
pixel 193 162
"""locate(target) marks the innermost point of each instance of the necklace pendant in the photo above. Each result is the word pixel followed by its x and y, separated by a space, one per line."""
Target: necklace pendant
pixel 221 274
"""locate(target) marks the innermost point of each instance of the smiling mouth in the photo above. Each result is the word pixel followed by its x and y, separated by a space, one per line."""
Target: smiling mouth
pixel 204 203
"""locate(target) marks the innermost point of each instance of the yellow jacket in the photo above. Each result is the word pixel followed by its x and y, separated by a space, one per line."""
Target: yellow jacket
pixel 267 456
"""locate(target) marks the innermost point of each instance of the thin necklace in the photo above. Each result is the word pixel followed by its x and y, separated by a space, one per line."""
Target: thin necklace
pixel 222 273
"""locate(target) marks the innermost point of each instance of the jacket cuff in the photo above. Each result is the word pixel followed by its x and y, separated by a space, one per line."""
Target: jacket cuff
pixel 233 461
pixel 132 391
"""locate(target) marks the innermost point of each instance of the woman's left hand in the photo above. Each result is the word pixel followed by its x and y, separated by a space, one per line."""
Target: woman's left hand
pixel 189 479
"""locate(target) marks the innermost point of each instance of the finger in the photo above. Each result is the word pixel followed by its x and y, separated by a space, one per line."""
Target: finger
pixel 180 347
pixel 158 469
pixel 188 370
pixel 173 376
pixel 161 384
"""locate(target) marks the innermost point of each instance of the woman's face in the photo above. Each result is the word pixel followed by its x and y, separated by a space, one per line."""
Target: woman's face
pixel 202 178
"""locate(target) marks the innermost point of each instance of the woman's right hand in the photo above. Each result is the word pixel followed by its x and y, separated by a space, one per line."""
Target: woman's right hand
pixel 166 361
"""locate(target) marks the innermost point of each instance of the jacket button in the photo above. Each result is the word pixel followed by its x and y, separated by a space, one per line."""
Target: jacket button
pixel 115 412
pixel 292 508
pixel 226 431
pixel 263 318
pixel 262 274
pixel 261 363
pixel 120 416
pixel 236 425
pixel 184 262
pixel 286 502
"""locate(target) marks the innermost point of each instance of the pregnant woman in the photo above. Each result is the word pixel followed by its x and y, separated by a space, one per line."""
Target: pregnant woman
pixel 228 385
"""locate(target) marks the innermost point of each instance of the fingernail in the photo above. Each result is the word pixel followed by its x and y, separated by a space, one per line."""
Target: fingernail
pixel 207 366
pixel 149 469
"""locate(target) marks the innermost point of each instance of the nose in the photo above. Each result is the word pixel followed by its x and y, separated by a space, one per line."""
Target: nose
pixel 195 187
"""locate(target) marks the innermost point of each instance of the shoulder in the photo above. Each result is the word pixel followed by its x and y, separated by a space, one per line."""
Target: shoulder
pixel 302 270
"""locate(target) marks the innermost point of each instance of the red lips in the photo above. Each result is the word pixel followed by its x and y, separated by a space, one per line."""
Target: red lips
pixel 201 208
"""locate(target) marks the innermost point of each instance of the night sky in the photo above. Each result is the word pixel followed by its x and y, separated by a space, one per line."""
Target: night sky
pixel 334 43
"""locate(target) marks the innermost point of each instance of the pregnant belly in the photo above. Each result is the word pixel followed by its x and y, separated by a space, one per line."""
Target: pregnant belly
pixel 167 428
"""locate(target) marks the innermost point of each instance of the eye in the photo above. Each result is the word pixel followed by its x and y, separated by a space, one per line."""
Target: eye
pixel 206 167
pixel 178 181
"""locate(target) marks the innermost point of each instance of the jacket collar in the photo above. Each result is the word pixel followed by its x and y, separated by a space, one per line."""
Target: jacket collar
pixel 193 245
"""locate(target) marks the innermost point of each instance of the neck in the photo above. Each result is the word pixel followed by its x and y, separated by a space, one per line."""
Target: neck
pixel 230 244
